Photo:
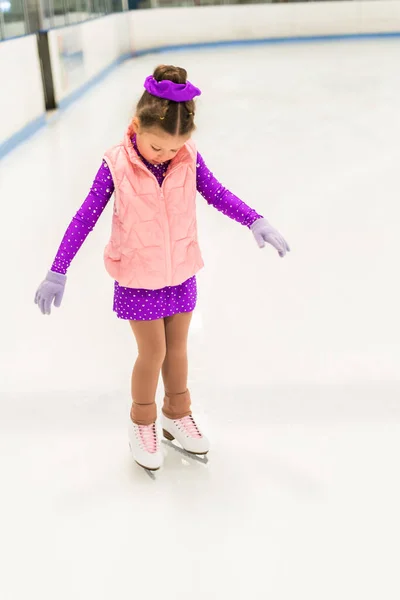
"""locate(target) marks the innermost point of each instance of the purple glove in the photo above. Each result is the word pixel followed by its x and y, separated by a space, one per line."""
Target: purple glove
pixel 264 232
pixel 51 289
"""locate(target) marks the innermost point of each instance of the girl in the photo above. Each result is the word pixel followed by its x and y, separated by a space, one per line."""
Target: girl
pixel 153 254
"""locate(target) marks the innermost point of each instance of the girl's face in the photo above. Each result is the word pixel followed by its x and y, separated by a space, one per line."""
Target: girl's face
pixel 157 146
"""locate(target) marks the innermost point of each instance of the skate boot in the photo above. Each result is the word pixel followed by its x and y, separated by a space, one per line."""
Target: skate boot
pixel 145 446
pixel 186 432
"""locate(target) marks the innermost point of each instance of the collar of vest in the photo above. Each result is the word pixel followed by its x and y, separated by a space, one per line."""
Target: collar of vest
pixel 185 155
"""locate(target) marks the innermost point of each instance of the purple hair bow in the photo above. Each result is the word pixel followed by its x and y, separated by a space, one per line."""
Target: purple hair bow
pixel 177 92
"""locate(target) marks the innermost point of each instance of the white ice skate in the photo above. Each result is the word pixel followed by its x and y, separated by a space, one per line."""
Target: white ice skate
pixel 186 432
pixel 145 446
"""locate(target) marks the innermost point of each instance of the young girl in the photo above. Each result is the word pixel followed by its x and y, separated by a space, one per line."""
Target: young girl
pixel 153 254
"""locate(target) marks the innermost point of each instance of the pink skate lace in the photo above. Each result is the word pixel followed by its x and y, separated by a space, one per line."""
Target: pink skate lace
pixel 148 436
pixel 189 426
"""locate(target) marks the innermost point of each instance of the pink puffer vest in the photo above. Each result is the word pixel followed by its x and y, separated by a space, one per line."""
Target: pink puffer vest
pixel 154 231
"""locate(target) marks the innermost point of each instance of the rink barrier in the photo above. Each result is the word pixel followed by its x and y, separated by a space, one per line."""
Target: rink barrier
pixel 22 107
pixel 78 93
pixel 270 23
pixel 82 55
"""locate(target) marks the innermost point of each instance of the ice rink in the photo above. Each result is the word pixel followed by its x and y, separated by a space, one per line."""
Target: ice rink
pixel 294 363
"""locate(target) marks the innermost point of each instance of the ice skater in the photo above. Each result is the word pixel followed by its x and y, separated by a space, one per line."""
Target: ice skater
pixel 153 254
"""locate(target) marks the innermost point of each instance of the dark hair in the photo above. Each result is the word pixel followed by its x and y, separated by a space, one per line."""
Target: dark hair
pixel 175 118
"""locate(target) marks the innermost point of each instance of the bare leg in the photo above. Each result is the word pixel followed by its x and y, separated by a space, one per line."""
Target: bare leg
pixel 150 338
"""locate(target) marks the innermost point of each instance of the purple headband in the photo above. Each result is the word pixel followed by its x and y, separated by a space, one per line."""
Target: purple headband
pixel 177 92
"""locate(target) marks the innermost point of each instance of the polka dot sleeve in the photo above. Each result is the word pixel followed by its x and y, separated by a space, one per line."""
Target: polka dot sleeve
pixel 221 198
pixel 85 219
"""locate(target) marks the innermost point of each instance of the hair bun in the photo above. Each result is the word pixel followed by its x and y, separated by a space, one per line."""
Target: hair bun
pixel 175 74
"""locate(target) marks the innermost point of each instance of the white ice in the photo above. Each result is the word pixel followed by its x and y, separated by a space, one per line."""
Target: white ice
pixel 294 363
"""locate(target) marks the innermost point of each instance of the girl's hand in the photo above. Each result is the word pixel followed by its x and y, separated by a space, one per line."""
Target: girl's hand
pixel 264 232
pixel 51 289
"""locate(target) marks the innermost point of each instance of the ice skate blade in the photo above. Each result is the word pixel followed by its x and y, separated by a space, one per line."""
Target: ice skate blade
pixel 147 468
pixel 196 457
pixel 171 438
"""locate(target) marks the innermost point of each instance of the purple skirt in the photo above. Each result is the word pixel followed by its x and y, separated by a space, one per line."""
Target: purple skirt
pixel 148 305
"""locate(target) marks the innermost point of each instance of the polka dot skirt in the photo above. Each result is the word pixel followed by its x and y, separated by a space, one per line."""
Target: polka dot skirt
pixel 148 305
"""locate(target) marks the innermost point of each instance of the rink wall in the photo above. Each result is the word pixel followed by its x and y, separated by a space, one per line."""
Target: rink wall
pixel 162 28
pixel 21 92
pixel 82 54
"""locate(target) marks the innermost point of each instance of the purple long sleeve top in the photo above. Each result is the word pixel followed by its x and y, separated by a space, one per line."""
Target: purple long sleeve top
pixel 103 188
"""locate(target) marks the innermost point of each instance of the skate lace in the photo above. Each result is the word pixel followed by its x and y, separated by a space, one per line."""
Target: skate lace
pixel 148 437
pixel 189 426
